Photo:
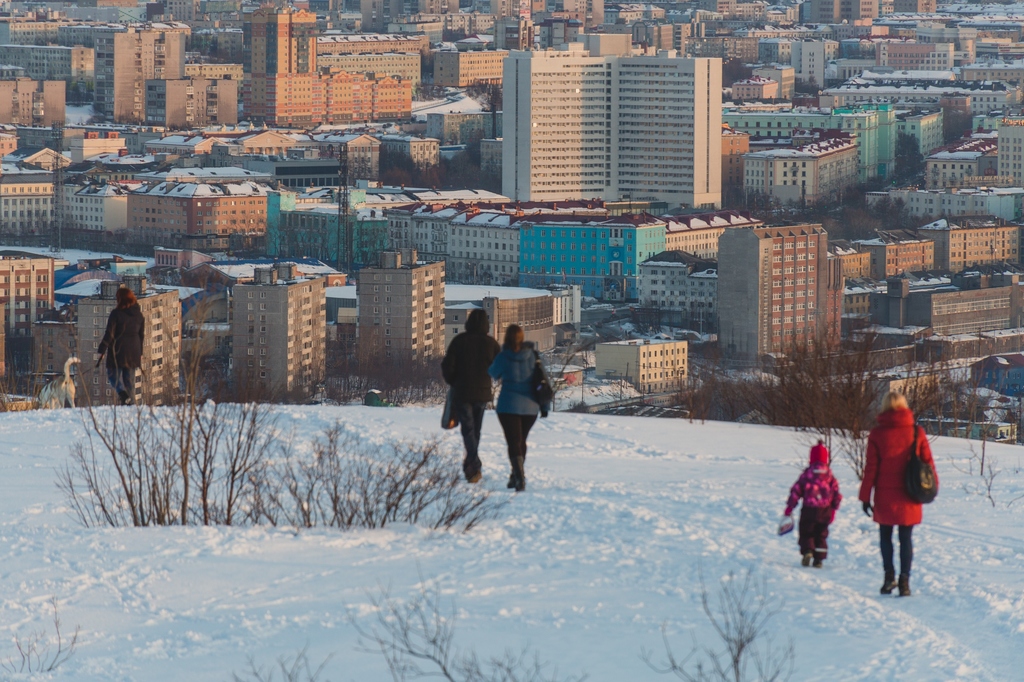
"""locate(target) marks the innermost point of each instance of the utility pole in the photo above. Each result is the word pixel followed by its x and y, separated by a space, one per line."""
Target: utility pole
pixel 57 201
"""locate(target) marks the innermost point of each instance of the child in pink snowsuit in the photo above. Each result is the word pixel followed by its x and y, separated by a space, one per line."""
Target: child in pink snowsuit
pixel 819 490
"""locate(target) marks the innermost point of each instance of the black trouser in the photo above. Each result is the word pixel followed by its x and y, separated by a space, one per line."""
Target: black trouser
pixel 813 531
pixel 906 549
pixel 516 428
pixel 471 418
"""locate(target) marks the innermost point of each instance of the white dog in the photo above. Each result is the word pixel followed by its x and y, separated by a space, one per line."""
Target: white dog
pixel 60 390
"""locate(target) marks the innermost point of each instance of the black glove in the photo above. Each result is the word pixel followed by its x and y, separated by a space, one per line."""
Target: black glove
pixel 868 509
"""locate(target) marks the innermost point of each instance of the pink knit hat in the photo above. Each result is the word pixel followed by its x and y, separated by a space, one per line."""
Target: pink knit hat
pixel 819 454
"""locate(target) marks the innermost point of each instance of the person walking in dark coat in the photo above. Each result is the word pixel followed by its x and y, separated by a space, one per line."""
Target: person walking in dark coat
pixel 122 344
pixel 464 367
pixel 516 408
pixel 888 453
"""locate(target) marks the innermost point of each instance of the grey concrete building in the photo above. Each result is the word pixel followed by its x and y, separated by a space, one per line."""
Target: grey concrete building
pixel 279 333
pixel 125 60
pixel 191 103
pixel 401 308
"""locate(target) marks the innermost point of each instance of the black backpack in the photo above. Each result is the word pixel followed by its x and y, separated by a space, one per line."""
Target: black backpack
pixel 919 476
pixel 540 387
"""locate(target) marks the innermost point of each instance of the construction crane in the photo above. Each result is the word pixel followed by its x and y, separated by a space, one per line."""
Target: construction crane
pixel 57 202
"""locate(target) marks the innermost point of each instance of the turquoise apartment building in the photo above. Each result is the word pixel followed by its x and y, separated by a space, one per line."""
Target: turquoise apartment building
pixel 601 256
pixel 297 230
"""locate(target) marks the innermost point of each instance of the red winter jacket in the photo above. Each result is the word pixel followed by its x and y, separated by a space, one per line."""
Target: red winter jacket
pixel 887 456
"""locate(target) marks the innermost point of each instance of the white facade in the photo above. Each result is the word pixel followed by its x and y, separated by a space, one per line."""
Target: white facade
pixel 1002 202
pixel 97 207
pixel 609 127
pixel 682 284
pixel 809 59
pixel 1011 149
pixel 484 248
pixel 567 299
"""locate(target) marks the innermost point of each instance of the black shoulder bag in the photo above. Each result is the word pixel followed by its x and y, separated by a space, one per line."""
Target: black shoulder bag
pixel 919 476
pixel 540 387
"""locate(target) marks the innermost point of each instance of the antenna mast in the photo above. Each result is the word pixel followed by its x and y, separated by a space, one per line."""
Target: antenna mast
pixel 57 202
pixel 343 210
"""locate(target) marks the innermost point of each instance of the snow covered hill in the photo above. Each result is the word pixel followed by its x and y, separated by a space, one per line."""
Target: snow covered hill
pixel 587 566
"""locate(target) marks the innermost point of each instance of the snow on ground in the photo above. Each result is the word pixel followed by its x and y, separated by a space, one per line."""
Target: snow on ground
pixel 456 104
pixel 594 392
pixel 587 566
pixel 77 115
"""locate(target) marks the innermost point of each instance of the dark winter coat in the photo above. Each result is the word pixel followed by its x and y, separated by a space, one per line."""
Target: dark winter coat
pixel 515 371
pixel 122 342
pixel 465 366
pixel 888 452
pixel 818 489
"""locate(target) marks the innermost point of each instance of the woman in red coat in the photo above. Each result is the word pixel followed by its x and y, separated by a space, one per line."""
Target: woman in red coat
pixel 888 452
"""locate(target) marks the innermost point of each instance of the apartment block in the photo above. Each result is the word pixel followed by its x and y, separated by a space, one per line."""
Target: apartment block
pixel 126 59
pixel 279 333
pixel 785 76
pixel 772 290
pixel 698 233
pixel 97 207
pixel 806 175
pixel 580 125
pixel 650 365
pixel 601 256
pixel 463 128
pixel 217 72
pixel 854 263
pixel 997 304
pixel 26 200
pixel 755 88
pixel 403 66
pixel 53 342
pixel 915 56
pixel 424 151
pixel 26 290
pixel 401 307
pixel 966 162
pixel 52 62
pixel 925 127
pixel 836 11
pixel 360 98
pixel 1002 202
pixel 191 102
pixel 810 57
pixel 483 248
pixel 280 66
pixel 461 69
pixel 28 102
pixel 966 241
pixel 1011 148
pixel 157 383
pixel 378 14
pixel 197 215
pixel 679 282
pixel 895 251
pixel 370 43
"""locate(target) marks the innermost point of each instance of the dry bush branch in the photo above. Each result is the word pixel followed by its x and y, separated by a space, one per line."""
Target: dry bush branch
pixel 41 652
pixel 740 615
pixel 292 669
pixel 417 639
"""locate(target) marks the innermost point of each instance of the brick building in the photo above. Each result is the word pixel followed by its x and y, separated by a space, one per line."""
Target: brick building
pixel 896 251
pixel 26 290
pixel 197 215
pixel 972 240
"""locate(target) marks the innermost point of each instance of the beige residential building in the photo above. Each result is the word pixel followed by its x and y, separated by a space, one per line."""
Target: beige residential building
pixel 100 208
pixel 815 173
pixel 896 251
pixel 590 125
pixel 370 43
pixel 279 333
pixel 157 383
pixel 26 290
pixel 1011 149
pixel 972 240
pixel 125 60
pixel 191 103
pixel 698 233
pixel 25 200
pixel 217 72
pixel 51 62
pixel 424 151
pixel 652 366
pixel 397 65
pixel 461 69
pixel 28 102
pixel 401 307
pixel 93 144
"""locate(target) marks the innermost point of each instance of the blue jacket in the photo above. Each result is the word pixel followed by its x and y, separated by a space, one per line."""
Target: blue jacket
pixel 514 370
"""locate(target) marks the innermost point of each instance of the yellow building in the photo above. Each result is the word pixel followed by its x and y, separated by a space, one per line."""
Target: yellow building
pixel 652 366
pixel 461 69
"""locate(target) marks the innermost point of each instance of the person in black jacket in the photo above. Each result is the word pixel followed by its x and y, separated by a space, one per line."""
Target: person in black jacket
pixel 465 369
pixel 122 344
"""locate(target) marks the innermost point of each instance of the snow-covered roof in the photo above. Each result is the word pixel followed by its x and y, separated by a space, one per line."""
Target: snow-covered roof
pixel 465 293
pixel 202 189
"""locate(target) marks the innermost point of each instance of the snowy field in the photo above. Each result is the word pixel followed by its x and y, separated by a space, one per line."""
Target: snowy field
pixel 587 566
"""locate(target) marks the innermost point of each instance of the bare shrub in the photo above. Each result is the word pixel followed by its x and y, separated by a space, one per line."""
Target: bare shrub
pixel 42 652
pixel 417 640
pixel 400 382
pixel 982 470
pixel 292 668
pixel 350 483
pixel 740 616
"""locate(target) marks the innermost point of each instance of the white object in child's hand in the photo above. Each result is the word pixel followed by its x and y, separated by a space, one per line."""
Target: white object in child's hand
pixel 786 525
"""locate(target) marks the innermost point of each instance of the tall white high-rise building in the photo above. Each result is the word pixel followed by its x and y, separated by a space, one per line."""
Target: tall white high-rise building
pixel 601 123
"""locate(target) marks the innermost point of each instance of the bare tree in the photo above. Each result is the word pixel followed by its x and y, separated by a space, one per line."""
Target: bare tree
pixel 292 668
pixel 417 639
pixel 741 617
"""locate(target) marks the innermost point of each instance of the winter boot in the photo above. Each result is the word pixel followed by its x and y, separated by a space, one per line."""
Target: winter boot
pixel 818 562
pixel 904 585
pixel 889 584
pixel 511 481
pixel 124 398
pixel 806 561
pixel 520 475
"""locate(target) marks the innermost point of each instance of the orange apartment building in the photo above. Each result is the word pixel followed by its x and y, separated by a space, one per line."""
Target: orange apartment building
pixel 197 215
pixel 734 145
pixel 896 251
